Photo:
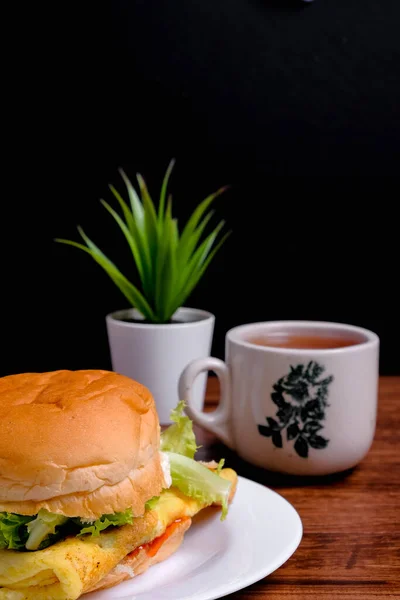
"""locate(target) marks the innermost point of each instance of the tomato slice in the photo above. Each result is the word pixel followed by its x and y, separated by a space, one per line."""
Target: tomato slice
pixel 153 547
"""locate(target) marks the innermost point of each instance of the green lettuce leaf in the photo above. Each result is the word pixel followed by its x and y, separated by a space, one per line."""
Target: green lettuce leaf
pixel 21 532
pixel 13 531
pixel 42 527
pixel 195 480
pixel 105 521
pixel 150 504
pixel 179 437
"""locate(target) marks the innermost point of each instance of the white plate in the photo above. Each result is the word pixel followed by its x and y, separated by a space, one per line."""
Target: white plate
pixel 261 532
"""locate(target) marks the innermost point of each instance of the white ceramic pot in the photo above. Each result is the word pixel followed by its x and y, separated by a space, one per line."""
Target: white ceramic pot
pixel 156 355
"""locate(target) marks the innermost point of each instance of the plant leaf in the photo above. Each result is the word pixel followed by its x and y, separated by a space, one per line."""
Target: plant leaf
pixel 138 214
pixel 164 186
pixel 137 207
pixel 205 247
pixel 169 265
pixel 170 268
pixel 131 293
pixel 175 234
pixel 186 251
pixel 129 238
pixel 210 257
pixel 197 215
pixel 150 223
pixel 198 258
pixel 143 257
pixel 165 275
pixel 125 209
pixel 185 293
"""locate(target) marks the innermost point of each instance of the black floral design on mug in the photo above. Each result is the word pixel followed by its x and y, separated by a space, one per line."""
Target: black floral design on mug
pixel 302 399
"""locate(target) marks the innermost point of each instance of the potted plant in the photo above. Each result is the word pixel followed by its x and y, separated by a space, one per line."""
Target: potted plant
pixel 157 336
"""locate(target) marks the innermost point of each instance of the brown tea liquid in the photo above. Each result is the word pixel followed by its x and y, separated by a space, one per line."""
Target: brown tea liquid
pixel 304 341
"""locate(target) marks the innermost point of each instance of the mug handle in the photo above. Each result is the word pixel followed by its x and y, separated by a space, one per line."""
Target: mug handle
pixel 218 421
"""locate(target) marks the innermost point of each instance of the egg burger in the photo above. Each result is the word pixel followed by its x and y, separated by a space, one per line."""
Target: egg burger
pixel 91 492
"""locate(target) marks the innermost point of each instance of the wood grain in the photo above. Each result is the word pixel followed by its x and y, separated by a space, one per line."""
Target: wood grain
pixel 351 543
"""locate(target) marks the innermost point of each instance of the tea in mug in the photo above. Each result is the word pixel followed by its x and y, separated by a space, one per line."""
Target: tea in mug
pixel 304 341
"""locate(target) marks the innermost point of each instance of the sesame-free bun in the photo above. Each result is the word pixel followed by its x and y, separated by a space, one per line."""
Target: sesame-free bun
pixel 80 443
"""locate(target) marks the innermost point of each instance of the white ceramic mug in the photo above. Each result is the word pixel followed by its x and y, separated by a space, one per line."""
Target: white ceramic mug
pixel 296 411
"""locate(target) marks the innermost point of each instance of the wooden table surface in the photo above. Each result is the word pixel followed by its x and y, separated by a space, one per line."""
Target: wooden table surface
pixel 351 542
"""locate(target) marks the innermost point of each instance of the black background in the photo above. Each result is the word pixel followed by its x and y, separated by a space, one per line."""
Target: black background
pixel 295 105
